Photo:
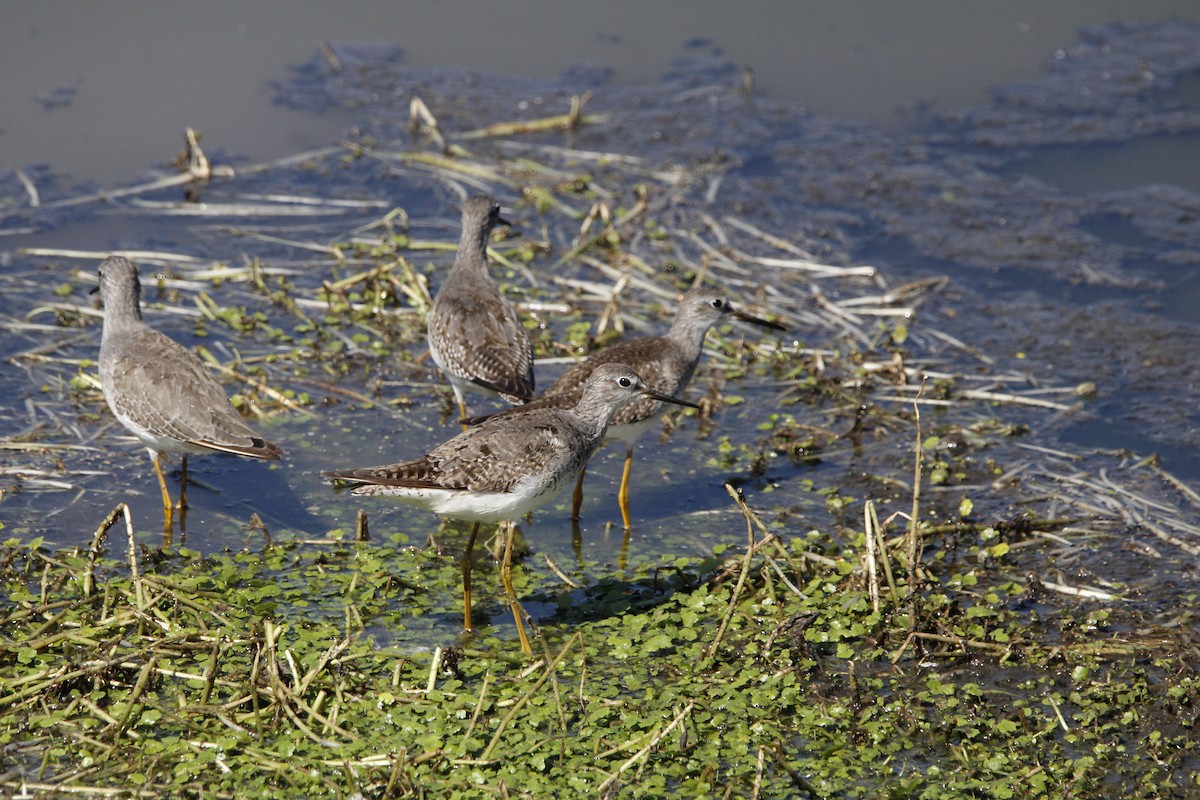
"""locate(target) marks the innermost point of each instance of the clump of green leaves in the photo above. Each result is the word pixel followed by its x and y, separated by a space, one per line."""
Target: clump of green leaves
pixel 296 670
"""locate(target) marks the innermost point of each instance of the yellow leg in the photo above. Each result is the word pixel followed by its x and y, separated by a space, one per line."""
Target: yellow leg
pixel 577 497
pixel 623 492
pixel 462 413
pixel 506 579
pixel 466 573
pixel 168 511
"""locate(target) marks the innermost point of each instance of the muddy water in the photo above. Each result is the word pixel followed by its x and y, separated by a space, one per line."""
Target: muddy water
pixel 1059 277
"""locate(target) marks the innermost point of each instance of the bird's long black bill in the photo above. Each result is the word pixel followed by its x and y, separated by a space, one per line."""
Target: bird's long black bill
pixel 766 323
pixel 666 398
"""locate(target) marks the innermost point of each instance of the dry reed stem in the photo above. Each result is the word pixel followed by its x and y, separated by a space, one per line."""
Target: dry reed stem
pixel 612 783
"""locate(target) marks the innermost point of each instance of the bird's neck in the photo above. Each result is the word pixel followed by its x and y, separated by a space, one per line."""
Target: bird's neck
pixel 688 336
pixel 594 414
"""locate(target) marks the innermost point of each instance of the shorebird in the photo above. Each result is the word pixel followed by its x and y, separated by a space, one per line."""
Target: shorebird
pixel 474 335
pixel 667 364
pixel 508 465
pixel 160 391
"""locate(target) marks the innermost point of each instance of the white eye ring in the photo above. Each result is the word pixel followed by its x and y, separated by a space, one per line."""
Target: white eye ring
pixel 625 382
pixel 718 302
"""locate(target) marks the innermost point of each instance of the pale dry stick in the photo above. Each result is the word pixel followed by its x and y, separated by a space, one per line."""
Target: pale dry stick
pixel 573 154
pixel 1107 494
pixel 639 207
pixel 365 275
pixel 422 120
pixel 131 702
pixel 546 174
pixel 961 345
pixel 254 383
pixel 834 308
pixel 870 523
pixel 462 745
pixel 713 253
pixel 1116 488
pixel 562 576
pixel 301 724
pixel 24 788
pixel 818 270
pixel 570 121
pixel 914 522
pixel 591 291
pixel 1050 451
pixel 977 394
pixel 176 180
pixel 94 549
pixel 335 650
pixel 523 699
pixel 714 187
pixel 771 239
pixel 1088 592
pixel 963 395
pixel 612 311
pixel 442 165
pixel 758 773
pixel 778 570
pixel 1183 488
pixel 611 781
pixel 290 696
pixel 715 227
pixel 637 281
pixel 135 574
pixel 850 325
pixel 583 244
pixel 711 650
pixel 161 183
pixel 223 272
pixel 324 249
pixel 142 256
pixel 434 664
pixel 180 208
pixel 322 305
pixel 296 158
pixel 35 200
pixel 302 200
pixel 1136 518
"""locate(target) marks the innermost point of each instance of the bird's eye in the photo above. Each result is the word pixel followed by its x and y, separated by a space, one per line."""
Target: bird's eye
pixel 718 302
pixel 624 382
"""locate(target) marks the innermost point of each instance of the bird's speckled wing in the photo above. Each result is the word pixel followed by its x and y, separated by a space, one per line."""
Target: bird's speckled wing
pixel 492 457
pixel 480 338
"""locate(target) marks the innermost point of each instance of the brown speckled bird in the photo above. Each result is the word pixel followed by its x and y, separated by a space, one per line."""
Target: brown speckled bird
pixel 509 464
pixel 666 363
pixel 474 334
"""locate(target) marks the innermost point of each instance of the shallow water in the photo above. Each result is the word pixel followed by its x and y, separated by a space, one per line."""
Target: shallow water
pixel 1058 277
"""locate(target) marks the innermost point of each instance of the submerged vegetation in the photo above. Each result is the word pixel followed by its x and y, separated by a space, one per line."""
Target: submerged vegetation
pixel 899 597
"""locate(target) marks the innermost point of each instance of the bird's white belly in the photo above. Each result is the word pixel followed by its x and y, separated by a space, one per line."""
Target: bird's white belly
pixel 475 506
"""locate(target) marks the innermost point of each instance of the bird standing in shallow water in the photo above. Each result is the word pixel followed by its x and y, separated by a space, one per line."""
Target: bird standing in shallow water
pixel 508 465
pixel 160 391
pixel 667 364
pixel 474 334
